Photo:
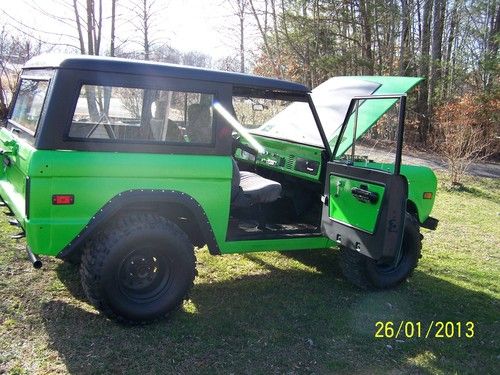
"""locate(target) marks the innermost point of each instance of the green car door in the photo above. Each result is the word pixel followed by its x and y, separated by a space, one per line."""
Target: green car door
pixel 365 207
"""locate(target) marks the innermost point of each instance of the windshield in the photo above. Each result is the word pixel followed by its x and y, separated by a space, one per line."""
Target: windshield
pixel 294 121
pixel 277 118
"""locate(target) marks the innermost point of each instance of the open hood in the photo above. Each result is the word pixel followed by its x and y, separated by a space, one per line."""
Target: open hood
pixel 332 99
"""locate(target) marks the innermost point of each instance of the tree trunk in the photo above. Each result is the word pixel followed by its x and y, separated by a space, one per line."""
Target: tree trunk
pixel 491 58
pixel 448 79
pixel 79 27
pixel 113 20
pixel 367 35
pixel 145 19
pixel 90 27
pixel 271 56
pixel 423 104
pixel 242 44
pixel 436 53
pixel 404 57
pixel 98 31
pixel 277 39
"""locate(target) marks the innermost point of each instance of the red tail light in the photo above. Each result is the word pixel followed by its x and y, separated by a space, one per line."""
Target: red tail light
pixel 63 199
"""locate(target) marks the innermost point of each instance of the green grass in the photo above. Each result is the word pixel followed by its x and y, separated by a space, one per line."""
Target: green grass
pixel 271 313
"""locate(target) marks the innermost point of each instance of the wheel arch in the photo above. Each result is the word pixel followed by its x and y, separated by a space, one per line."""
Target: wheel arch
pixel 176 206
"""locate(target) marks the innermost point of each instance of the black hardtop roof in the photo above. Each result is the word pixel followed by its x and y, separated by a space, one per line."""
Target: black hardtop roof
pixel 120 65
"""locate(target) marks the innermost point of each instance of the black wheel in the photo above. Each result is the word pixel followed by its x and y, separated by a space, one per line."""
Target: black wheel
pixel 139 269
pixel 367 273
pixel 74 259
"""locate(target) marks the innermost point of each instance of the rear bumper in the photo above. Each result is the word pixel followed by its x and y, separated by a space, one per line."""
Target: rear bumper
pixel 430 223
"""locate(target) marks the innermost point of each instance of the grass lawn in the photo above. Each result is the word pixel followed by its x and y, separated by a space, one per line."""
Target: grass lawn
pixel 272 313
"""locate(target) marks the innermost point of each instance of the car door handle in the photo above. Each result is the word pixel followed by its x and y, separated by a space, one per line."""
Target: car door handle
pixel 364 195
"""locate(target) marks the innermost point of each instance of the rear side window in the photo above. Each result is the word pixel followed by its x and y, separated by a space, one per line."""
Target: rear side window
pixel 29 103
pixel 136 114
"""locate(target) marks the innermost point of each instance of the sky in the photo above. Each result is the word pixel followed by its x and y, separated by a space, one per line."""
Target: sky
pixel 201 25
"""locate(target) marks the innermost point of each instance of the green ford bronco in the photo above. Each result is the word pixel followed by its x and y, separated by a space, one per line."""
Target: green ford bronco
pixel 124 166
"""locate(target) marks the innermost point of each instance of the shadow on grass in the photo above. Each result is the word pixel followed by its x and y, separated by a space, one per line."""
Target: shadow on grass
pixel 69 275
pixel 283 321
pixel 478 193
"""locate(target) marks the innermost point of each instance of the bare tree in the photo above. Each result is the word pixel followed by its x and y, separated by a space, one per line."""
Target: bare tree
pixel 240 10
pixel 437 50
pixel 465 133
pixel 269 34
pixel 228 63
pixel 195 58
pixel 405 31
pixel 14 52
pixel 144 19
pixel 364 11
pixel 113 28
pixel 89 29
pixel 423 95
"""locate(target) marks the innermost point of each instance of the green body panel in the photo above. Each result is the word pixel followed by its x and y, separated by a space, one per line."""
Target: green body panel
pixel 371 110
pixel 345 208
pixel 95 178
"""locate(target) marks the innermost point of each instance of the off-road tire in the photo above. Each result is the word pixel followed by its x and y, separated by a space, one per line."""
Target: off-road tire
pixel 366 273
pixel 138 249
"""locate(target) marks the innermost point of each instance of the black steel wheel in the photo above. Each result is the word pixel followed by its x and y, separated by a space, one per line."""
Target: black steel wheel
pixel 144 274
pixel 139 269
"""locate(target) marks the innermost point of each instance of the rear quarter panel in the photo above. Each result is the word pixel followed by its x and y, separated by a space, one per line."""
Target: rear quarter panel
pixel 96 177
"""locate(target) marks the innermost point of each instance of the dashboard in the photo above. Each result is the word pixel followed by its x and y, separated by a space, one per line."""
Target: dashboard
pixel 299 160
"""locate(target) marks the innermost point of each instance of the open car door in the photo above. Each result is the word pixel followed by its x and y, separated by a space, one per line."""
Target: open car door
pixel 365 203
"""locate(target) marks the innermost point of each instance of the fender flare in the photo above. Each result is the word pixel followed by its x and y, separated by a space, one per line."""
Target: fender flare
pixel 132 197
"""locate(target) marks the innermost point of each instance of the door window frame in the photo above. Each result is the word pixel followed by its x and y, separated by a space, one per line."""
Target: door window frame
pixel 401 98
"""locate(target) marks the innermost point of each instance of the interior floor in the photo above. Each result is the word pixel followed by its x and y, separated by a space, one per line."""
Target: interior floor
pixel 296 213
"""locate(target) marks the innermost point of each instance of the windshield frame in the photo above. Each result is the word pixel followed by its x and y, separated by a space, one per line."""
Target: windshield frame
pixel 317 120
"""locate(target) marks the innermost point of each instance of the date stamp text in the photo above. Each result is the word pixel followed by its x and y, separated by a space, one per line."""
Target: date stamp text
pixel 434 329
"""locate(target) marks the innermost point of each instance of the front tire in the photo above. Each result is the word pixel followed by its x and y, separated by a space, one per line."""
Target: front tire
pixel 139 269
pixel 367 273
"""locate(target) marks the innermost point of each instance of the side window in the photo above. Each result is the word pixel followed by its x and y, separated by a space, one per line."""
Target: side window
pixel 135 114
pixel 370 136
pixel 29 103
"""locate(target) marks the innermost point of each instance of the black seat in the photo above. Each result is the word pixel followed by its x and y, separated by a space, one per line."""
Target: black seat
pixel 250 189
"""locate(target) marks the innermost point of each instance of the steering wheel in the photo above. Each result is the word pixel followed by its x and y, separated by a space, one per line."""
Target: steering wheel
pixel 242 146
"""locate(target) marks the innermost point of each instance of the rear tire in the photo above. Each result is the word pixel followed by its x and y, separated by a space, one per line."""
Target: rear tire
pixel 139 269
pixel 367 273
